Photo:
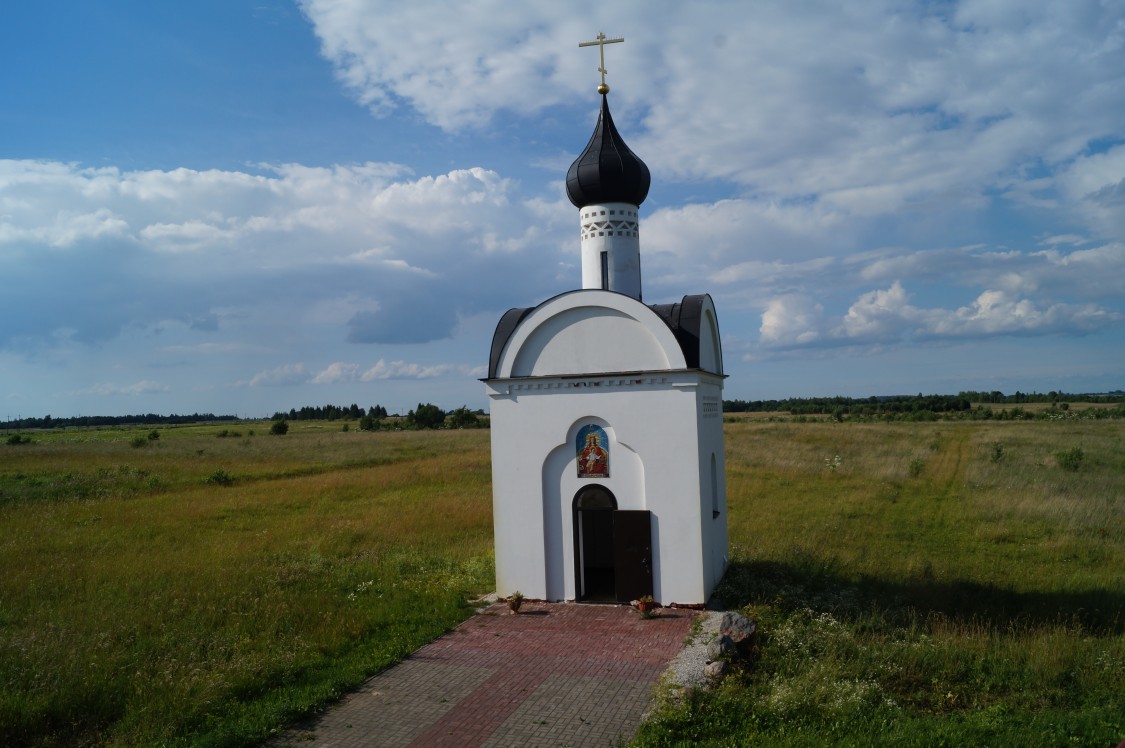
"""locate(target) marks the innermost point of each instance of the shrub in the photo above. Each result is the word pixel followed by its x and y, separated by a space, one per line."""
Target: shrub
pixel 219 478
pixel 138 441
pixel 917 465
pixel 997 452
pixel 1070 459
pixel 279 428
pixel 19 439
pixel 462 418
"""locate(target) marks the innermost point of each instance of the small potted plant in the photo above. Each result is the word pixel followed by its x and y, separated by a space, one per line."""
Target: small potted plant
pixel 515 600
pixel 646 605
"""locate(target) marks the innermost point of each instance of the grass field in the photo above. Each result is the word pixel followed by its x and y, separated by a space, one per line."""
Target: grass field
pixel 143 603
pixel 915 584
pixel 922 584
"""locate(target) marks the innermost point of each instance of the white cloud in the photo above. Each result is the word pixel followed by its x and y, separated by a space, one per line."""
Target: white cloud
pixel 403 370
pixel 1095 185
pixel 886 317
pixel 863 175
pixel 995 312
pixel 106 389
pixel 341 371
pixel 878 315
pixel 64 229
pixel 864 109
pixel 455 65
pixel 184 242
pixel 286 374
pixel 792 320
pixel 192 234
pixel 337 372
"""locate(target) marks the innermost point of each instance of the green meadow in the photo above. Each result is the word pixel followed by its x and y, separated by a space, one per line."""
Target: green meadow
pixel 201 589
pixel 956 583
pixel 940 584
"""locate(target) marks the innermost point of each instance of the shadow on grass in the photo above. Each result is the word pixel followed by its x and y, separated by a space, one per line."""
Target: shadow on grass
pixel 818 585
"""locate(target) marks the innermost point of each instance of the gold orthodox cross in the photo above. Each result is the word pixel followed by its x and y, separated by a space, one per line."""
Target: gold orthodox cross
pixel 601 41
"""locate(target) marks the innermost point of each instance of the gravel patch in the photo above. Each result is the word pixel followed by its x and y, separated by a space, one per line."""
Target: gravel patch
pixel 686 671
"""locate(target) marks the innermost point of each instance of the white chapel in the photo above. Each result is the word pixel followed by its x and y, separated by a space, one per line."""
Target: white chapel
pixel 607 439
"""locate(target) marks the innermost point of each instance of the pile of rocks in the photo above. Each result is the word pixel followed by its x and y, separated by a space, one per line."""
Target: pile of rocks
pixel 734 643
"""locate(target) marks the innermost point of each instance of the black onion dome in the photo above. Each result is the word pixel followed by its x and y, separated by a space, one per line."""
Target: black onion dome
pixel 607 171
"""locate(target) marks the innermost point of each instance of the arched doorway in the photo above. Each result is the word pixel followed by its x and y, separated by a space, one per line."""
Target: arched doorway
pixel 612 548
pixel 595 573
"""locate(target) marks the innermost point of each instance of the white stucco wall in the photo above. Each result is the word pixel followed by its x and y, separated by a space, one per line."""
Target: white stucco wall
pixel 654 464
pixel 605 358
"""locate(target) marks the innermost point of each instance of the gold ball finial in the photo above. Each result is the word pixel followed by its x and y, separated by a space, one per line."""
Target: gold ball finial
pixel 603 89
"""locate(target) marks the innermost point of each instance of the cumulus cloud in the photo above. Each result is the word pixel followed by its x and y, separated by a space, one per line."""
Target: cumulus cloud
pixel 829 171
pixel 877 315
pixel 995 312
pixel 179 244
pixel 455 66
pixel 336 372
pixel 887 317
pixel 402 370
pixel 792 320
pixel 280 376
pixel 864 108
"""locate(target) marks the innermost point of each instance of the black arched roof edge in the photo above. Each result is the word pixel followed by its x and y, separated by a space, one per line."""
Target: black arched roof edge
pixel 504 329
pixel 685 319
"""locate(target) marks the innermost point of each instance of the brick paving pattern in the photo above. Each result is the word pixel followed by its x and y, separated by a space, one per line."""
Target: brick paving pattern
pixel 555 675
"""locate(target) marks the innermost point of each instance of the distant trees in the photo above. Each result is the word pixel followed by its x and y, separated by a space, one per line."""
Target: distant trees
pixel 936 407
pixel 376 418
pixel 47 422
pixel 426 416
pixel 327 413
pixel 838 407
pixel 373 419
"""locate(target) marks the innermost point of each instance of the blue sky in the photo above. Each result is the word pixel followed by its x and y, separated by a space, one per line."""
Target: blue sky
pixel 242 207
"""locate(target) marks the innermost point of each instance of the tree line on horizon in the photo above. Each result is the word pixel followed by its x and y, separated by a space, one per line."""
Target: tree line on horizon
pixel 47 422
pixel 931 407
pixel 426 414
pixel 330 413
pixel 376 418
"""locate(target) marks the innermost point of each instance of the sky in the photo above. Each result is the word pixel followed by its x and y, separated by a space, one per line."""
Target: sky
pixel 245 206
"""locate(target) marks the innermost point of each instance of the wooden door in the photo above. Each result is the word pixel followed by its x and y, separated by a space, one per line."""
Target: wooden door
pixel 632 546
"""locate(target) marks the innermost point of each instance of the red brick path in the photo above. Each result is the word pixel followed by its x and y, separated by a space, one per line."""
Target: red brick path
pixel 555 675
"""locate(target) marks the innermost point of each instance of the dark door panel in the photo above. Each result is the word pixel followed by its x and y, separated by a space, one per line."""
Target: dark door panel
pixel 632 546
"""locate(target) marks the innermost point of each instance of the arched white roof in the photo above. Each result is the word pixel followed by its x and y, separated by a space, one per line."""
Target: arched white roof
pixel 587 332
